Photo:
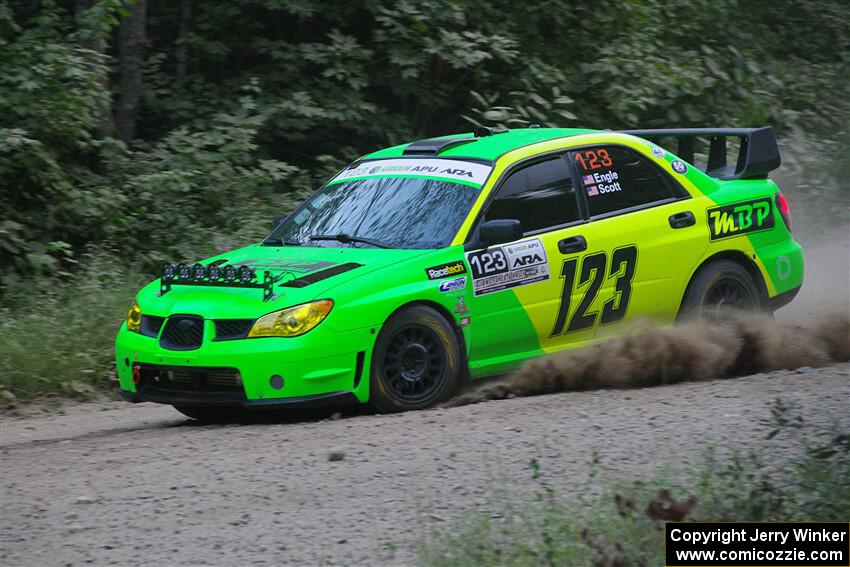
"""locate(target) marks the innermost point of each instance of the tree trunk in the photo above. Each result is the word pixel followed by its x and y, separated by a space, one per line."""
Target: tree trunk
pixel 182 52
pixel 106 125
pixel 131 58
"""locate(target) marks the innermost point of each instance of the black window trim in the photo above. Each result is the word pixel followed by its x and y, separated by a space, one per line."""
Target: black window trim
pixel 583 204
pixel 636 208
pixel 470 244
pixel 683 194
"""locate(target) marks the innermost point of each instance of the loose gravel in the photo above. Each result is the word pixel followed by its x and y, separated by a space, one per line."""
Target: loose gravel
pixel 120 484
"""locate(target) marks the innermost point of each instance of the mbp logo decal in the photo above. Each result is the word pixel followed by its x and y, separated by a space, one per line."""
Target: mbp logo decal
pixel 740 218
pixel 453 285
pixel 446 270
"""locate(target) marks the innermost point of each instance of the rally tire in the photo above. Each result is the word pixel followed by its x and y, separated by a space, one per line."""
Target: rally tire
pixel 720 286
pixel 416 362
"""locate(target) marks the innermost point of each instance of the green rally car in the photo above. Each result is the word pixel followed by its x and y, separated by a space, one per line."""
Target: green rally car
pixel 428 263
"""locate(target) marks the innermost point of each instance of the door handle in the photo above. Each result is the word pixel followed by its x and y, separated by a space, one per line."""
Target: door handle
pixel 572 245
pixel 682 220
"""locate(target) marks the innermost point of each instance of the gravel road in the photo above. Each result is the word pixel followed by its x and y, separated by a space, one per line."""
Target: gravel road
pixel 120 484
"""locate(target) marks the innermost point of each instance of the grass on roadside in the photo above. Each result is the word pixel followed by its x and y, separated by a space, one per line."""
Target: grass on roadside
pixel 625 527
pixel 56 338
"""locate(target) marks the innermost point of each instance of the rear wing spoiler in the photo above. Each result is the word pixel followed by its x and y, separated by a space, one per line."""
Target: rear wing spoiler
pixel 758 153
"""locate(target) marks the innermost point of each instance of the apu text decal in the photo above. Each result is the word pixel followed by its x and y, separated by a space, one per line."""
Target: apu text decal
pixel 466 171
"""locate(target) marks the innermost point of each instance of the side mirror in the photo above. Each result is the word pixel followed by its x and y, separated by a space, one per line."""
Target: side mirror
pixel 499 231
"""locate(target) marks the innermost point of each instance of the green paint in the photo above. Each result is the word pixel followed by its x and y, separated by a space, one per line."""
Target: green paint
pixel 500 330
pixel 491 147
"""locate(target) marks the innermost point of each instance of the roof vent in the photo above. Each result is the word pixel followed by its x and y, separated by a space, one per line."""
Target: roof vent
pixel 484 131
pixel 433 146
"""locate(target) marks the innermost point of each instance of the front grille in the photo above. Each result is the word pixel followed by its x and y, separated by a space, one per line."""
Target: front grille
pixel 151 324
pixel 230 329
pixel 182 332
pixel 190 384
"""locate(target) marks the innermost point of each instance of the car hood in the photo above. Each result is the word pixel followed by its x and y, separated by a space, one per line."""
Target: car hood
pixel 306 273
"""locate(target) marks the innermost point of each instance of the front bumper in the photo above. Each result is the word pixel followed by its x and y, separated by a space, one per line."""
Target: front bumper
pixel 315 368
pixel 332 399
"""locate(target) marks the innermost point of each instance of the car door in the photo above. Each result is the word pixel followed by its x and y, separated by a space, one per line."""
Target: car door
pixel 514 288
pixel 629 260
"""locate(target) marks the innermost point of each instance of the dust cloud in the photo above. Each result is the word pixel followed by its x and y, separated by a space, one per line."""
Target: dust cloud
pixel 646 355
pixel 814 330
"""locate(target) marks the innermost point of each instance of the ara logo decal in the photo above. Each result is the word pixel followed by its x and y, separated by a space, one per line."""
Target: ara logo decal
pixel 526 260
pixel 740 218
pixel 460 172
pixel 453 285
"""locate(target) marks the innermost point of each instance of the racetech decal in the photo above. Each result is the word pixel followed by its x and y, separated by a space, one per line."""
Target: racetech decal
pixel 445 270
pixel 507 266
pixel 450 169
pixel 740 218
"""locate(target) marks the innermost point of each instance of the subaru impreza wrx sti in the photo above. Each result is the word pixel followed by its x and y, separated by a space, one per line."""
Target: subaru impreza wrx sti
pixel 460 257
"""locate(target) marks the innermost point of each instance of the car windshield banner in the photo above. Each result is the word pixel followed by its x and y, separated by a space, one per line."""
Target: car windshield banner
pixel 457 171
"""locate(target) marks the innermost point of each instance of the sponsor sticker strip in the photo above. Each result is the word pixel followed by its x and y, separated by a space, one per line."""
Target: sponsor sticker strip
pixel 511 265
pixel 461 171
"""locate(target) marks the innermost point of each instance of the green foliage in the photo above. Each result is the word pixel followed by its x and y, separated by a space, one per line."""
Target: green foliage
pixel 57 336
pixel 240 98
pixel 246 106
pixel 812 485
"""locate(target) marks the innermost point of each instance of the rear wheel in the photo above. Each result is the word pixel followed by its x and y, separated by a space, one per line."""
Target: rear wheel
pixel 719 286
pixel 416 361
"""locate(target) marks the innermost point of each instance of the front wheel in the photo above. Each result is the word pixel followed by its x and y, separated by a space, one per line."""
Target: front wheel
pixel 719 286
pixel 416 361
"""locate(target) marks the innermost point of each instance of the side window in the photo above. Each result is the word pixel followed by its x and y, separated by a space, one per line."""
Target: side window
pixel 616 178
pixel 541 195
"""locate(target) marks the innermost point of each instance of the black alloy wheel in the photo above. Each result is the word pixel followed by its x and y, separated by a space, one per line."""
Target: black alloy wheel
pixel 416 361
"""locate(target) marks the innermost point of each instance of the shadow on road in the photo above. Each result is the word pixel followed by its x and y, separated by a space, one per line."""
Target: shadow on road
pixel 278 416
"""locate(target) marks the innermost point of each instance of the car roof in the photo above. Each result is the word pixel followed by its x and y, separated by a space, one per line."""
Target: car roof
pixel 489 146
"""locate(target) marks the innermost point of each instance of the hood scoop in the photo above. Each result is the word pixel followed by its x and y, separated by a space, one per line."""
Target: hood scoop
pixel 304 281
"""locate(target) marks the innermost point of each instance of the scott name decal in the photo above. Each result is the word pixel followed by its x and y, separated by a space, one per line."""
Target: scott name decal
pixel 740 218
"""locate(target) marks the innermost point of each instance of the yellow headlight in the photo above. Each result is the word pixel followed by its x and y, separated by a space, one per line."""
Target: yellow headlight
pixel 293 321
pixel 134 317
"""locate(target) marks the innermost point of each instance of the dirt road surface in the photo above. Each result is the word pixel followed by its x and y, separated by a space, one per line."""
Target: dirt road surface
pixel 120 484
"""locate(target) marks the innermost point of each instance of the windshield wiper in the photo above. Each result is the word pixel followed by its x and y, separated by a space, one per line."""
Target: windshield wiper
pixel 280 241
pixel 347 238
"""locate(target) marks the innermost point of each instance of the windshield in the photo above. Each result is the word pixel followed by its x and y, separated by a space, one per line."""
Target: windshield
pixel 397 212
